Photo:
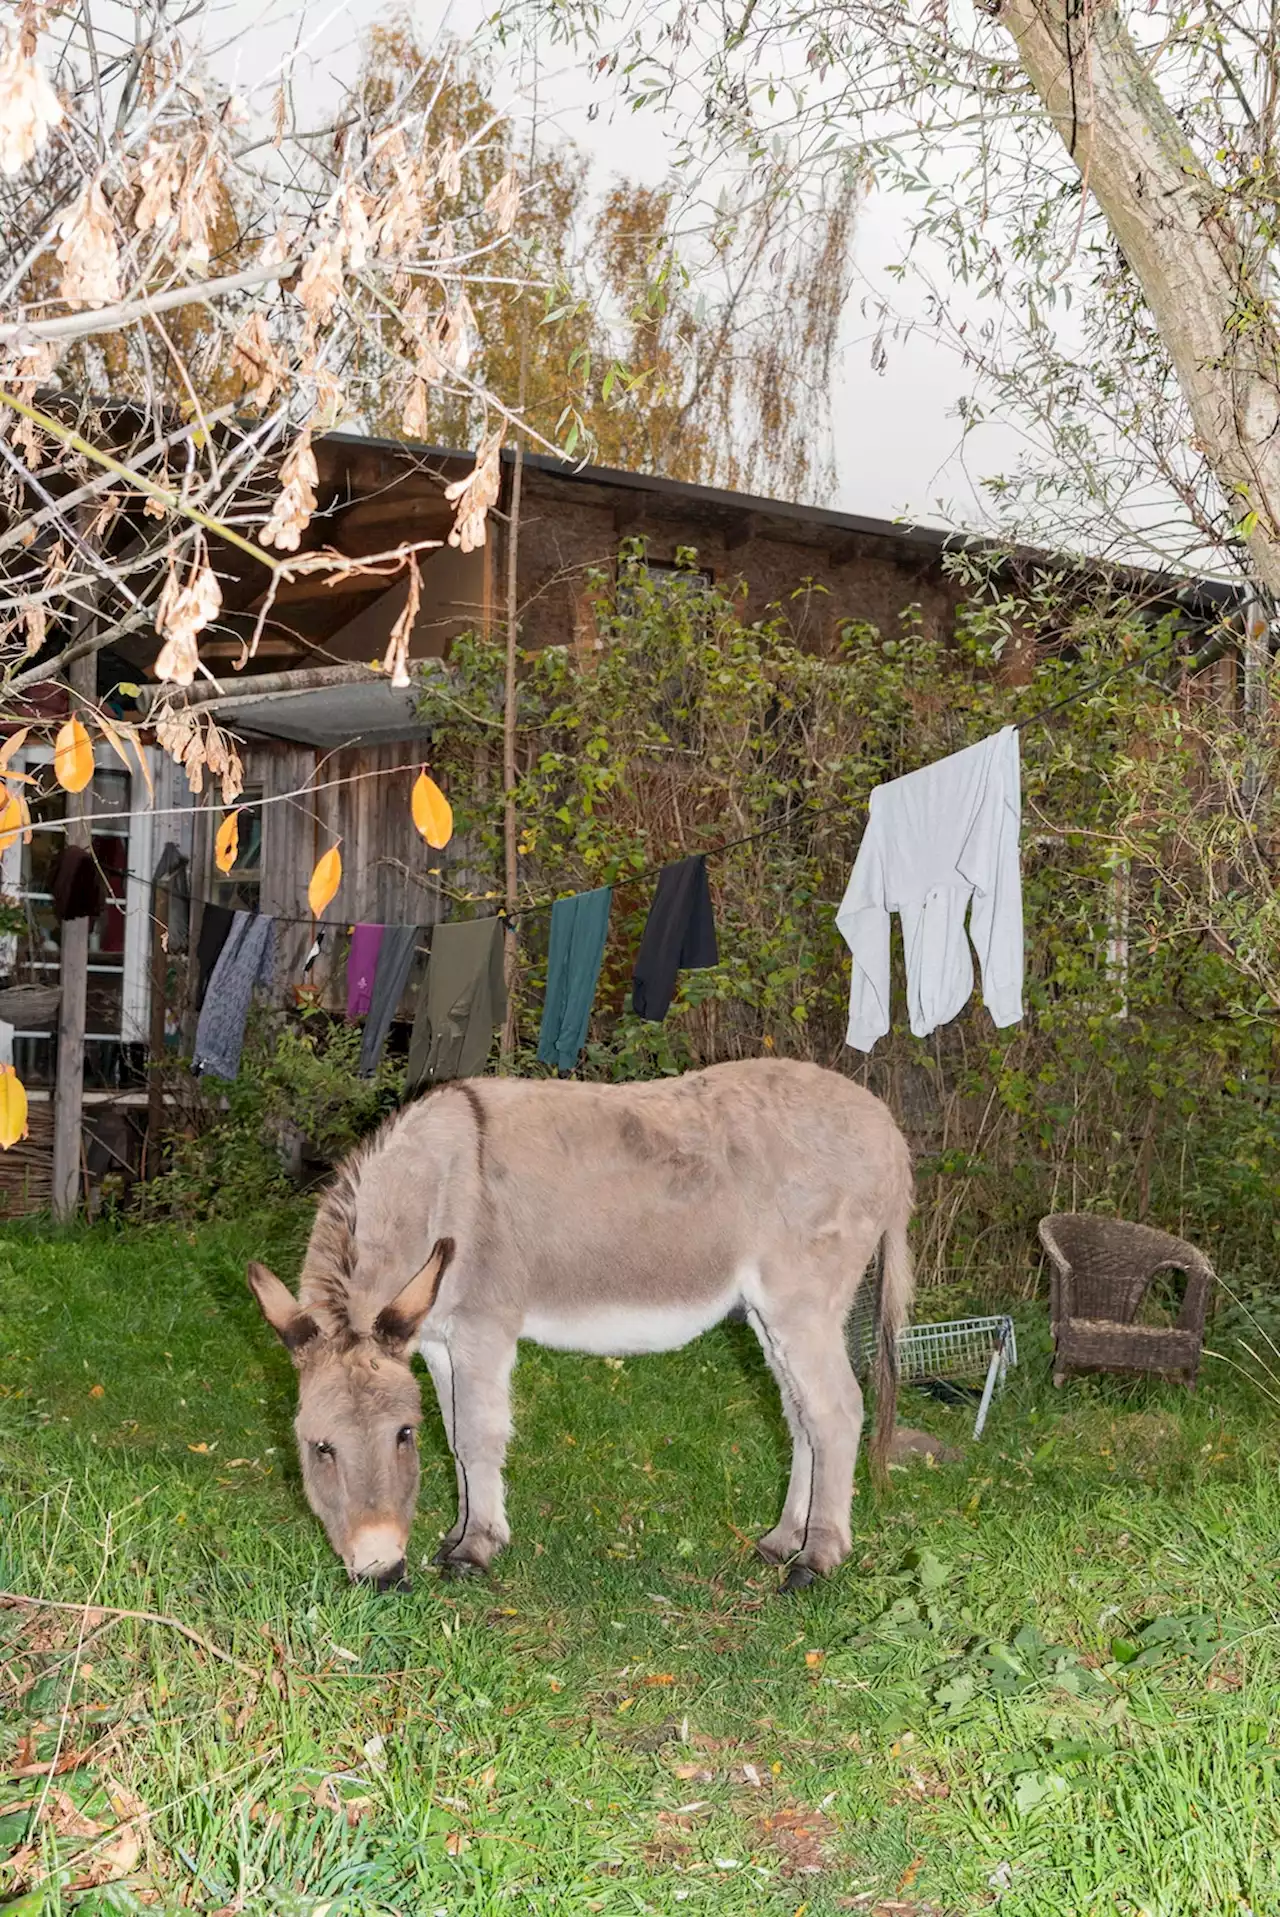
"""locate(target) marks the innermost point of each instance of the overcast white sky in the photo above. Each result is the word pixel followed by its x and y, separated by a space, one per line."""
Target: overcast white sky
pixel 897 439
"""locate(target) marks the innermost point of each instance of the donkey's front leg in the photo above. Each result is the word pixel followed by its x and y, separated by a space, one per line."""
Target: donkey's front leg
pixel 481 1357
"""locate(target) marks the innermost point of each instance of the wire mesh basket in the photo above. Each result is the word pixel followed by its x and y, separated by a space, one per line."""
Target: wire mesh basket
pixel 962 1350
pixel 28 1006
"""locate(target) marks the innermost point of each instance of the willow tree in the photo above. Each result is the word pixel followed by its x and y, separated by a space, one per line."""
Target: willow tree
pixel 661 332
pixel 1091 190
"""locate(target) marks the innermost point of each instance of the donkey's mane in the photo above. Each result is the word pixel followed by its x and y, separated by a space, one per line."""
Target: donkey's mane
pixel 331 1253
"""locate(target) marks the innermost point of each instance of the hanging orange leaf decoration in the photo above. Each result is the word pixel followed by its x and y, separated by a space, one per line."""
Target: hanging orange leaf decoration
pixel 225 847
pixel 325 881
pixel 11 819
pixel 13 1108
pixel 73 757
pixel 432 813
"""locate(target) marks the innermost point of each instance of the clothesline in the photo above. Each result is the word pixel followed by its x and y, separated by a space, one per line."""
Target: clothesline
pixel 620 883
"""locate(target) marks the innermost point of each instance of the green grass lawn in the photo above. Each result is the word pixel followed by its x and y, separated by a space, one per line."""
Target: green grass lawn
pixel 1048 1679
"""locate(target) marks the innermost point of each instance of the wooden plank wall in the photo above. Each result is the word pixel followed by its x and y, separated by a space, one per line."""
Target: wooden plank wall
pixel 358 798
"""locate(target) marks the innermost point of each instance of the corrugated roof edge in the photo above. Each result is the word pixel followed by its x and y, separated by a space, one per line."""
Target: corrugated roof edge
pixel 1198 591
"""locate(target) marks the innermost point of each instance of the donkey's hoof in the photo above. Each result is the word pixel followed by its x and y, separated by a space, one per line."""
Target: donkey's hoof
pixel 451 1567
pixel 799 1578
pixel 775 1547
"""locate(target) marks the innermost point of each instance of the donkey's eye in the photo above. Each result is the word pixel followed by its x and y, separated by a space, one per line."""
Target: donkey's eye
pixel 405 1434
pixel 324 1449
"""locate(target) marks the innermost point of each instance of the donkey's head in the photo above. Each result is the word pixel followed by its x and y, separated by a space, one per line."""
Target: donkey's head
pixel 358 1414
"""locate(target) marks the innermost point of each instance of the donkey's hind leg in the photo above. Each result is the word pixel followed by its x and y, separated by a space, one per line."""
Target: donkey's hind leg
pixel 806 1352
pixel 787 1535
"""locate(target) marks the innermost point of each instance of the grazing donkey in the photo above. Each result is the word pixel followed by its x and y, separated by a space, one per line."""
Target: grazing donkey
pixel 596 1218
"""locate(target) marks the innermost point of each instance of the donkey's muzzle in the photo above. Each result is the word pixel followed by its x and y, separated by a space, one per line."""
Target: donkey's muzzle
pixel 394 1578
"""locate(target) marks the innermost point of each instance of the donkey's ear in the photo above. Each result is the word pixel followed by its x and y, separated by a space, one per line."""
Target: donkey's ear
pixel 398 1324
pixel 293 1326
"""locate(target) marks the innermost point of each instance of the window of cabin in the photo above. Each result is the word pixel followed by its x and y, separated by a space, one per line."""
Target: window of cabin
pixel 117 995
pixel 661 576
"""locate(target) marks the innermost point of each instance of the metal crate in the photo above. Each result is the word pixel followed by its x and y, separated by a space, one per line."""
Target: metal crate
pixel 963 1349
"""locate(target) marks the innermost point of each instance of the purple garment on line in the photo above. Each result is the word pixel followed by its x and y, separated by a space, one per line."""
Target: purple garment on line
pixel 362 963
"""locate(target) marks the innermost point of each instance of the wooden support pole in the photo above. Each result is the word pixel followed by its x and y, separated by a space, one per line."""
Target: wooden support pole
pixel 68 1092
pixel 510 831
pixel 155 1034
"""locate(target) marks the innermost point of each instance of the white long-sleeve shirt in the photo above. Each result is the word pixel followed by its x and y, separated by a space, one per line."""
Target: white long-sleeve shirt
pixel 938 841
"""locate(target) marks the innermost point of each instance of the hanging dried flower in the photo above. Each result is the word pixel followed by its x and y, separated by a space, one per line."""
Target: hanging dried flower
pixel 280 247
pixel 29 107
pixel 415 317
pixel 502 202
pixel 414 420
pixel 23 369
pixel 396 661
pixel 459 334
pixel 255 359
pixel 321 281
pixel 223 762
pixel 36 621
pixel 193 747
pixel 88 254
pixel 181 616
pixel 444 350
pixel 291 514
pixel 199 201
pixel 159 177
pixel 398 222
pixel 357 234
pixel 330 398
pixel 449 170
pixel 472 497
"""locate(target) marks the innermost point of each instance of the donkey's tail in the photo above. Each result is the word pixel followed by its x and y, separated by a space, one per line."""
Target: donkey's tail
pixel 897 1288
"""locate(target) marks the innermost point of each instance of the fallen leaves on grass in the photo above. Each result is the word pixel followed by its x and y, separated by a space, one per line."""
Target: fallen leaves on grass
pixel 799 1836
pixel 113 1852
pixel 27 1764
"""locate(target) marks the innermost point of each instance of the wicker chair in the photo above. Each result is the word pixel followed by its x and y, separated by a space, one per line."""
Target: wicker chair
pixel 1103 1269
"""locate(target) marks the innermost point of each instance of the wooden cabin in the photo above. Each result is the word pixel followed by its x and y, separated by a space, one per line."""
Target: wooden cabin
pixel 319 722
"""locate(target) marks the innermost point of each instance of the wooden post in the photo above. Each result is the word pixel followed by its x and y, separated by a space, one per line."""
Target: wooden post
pixel 155 1035
pixel 511 955
pixel 68 1092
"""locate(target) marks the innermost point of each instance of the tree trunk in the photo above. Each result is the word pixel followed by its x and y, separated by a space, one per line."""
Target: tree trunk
pixel 1202 280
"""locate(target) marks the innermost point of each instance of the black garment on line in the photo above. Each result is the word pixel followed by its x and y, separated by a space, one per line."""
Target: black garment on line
pixel 214 927
pixel 77 885
pixel 391 975
pixel 679 935
pixel 172 873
